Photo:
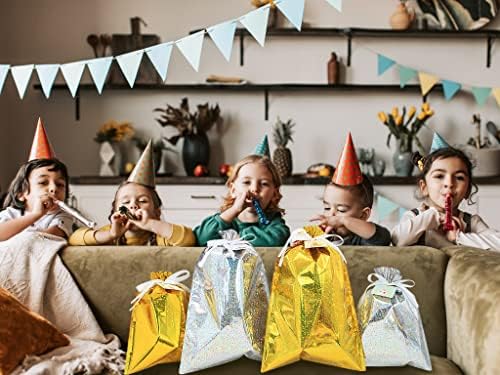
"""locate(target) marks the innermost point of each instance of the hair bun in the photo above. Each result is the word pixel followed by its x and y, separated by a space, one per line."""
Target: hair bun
pixel 418 160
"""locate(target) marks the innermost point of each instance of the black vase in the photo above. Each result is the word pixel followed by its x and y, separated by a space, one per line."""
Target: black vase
pixel 196 150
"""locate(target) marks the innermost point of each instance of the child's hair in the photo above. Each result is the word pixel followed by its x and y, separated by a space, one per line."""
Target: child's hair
pixel 21 184
pixel 262 160
pixel 154 194
pixel 363 191
pixel 424 164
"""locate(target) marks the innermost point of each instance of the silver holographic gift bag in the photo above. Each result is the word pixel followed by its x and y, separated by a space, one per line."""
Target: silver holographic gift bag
pixel 390 322
pixel 228 305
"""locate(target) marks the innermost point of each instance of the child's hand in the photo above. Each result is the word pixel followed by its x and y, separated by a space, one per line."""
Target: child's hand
pixel 328 223
pixel 43 205
pixel 143 220
pixel 119 225
pixel 242 201
pixel 458 225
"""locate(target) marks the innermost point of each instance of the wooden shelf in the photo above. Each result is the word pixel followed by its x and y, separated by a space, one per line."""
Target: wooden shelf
pixel 353 32
pixel 265 88
pixel 294 180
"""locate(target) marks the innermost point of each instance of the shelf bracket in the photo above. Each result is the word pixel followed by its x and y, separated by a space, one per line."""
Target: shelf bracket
pixel 489 44
pixel 349 47
pixel 242 49
pixel 266 104
pixel 77 106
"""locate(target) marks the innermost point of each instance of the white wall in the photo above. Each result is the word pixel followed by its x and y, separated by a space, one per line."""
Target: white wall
pixel 55 31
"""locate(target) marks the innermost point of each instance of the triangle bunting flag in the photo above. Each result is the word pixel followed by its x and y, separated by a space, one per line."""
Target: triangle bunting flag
pixel 72 73
pixel 190 47
pixel 293 11
pixel 256 23
pixel 427 82
pixel 22 75
pixel 160 58
pixel 450 88
pixel 223 36
pixel 99 69
pixel 383 63
pixel 47 75
pixel 129 64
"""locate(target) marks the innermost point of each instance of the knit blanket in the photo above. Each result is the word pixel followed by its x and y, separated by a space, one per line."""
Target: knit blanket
pixel 31 269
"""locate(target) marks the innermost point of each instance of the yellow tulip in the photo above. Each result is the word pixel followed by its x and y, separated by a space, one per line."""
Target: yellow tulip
pixel 399 120
pixel 411 111
pixel 382 117
pixel 421 116
pixel 429 113
pixel 426 107
pixel 395 112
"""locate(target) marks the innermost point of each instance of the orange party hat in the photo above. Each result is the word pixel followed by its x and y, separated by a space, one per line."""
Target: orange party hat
pixel 348 172
pixel 144 171
pixel 41 148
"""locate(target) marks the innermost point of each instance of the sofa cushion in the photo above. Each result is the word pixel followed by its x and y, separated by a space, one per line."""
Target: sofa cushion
pixel 108 275
pixel 246 366
pixel 474 333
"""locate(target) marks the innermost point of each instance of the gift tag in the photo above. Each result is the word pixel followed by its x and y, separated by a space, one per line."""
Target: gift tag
pixel 387 291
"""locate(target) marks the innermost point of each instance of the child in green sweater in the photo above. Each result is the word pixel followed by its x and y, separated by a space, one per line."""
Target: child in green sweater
pixel 254 178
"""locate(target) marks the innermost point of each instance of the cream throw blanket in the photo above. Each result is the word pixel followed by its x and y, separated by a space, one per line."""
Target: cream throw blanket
pixel 31 270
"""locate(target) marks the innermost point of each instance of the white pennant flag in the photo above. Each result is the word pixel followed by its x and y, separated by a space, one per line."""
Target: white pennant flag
pixel 223 36
pixel 22 75
pixel 190 47
pixel 256 23
pixel 129 64
pixel 160 57
pixel 293 11
pixel 4 69
pixel 337 4
pixel 99 69
pixel 47 75
pixel 72 73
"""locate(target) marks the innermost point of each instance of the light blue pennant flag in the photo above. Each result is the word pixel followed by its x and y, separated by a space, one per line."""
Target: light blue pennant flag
pixel 21 75
pixel 4 69
pixel 223 35
pixel 450 88
pixel 47 75
pixel 337 4
pixel 99 69
pixel 402 211
pixel 72 73
pixel 129 64
pixel 293 11
pixel 481 94
pixel 256 23
pixel 385 207
pixel 406 74
pixel 160 57
pixel 383 63
pixel 190 47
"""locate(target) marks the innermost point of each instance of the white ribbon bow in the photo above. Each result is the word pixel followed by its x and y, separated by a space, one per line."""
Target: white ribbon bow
pixel 403 285
pixel 320 241
pixel 230 245
pixel 173 282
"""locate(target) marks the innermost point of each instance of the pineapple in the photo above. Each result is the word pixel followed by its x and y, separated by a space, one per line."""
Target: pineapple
pixel 282 157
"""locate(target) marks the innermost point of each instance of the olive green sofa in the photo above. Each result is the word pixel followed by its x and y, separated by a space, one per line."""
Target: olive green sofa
pixel 458 291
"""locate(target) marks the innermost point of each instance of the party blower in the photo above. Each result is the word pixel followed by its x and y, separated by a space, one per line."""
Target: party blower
pixel 262 217
pixel 78 216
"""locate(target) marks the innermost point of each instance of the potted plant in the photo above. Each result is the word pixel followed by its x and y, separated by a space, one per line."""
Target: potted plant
pixel 193 127
pixel 405 127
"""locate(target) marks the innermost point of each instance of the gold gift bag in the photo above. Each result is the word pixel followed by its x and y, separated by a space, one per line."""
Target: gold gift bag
pixel 311 311
pixel 158 321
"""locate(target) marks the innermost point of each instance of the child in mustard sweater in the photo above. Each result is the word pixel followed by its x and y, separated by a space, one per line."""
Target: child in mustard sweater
pixel 136 215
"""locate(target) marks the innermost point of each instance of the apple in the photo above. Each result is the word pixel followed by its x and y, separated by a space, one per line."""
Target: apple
pixel 200 171
pixel 224 169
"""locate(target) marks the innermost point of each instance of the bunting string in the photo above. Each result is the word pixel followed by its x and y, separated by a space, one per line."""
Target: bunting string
pixel 190 46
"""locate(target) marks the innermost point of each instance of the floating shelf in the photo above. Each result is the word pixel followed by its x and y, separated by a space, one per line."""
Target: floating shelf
pixel 266 88
pixel 353 32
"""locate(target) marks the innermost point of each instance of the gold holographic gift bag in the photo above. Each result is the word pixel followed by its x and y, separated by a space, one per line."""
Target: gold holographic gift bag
pixel 158 321
pixel 311 311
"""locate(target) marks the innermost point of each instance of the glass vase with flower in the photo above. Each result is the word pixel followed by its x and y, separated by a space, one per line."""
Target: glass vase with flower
pixel 110 136
pixel 404 126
